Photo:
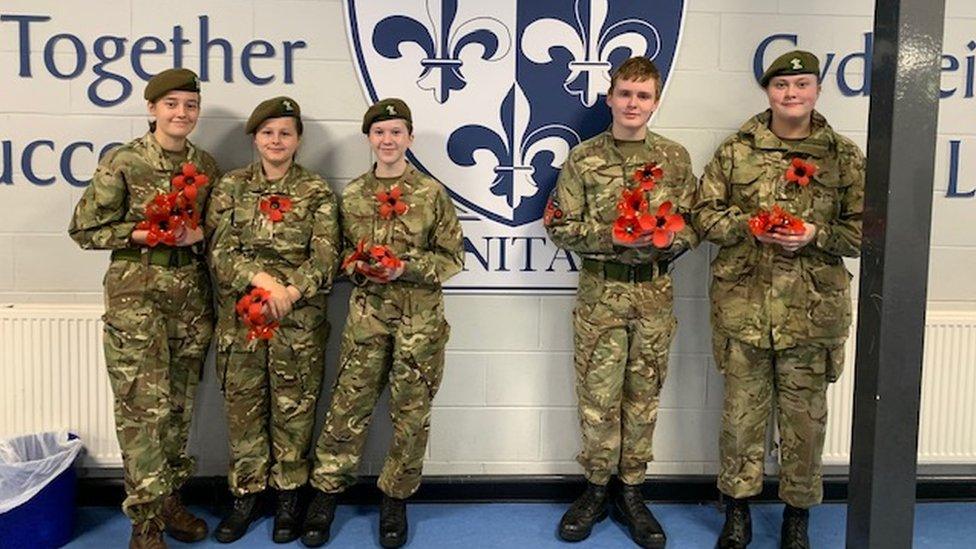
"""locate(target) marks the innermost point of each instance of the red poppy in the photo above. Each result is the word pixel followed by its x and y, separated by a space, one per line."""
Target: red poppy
pixel 376 261
pixel 383 256
pixel 551 212
pixel 632 202
pixel 183 208
pixel 275 207
pixel 250 309
pixel 358 255
pixel 188 181
pixel 161 221
pixel 778 220
pixel 390 203
pixel 800 172
pixel 648 175
pixel 666 224
pixel 627 229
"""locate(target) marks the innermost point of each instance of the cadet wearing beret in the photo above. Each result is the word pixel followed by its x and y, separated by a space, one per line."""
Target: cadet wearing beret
pixel 395 332
pixel 781 303
pixel 158 318
pixel 275 226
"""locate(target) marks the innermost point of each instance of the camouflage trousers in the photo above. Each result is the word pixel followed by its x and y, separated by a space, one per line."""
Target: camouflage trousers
pixel 394 334
pixel 270 391
pixel 795 381
pixel 158 324
pixel 623 333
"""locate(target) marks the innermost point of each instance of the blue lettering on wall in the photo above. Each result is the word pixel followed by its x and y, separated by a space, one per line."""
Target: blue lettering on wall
pixel 31 157
pixel 109 50
pixel 953 189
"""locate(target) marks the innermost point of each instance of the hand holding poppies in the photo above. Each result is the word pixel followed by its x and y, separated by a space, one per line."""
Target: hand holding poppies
pixel 637 227
pixel 173 218
pixel 251 309
pixel 777 226
pixel 377 263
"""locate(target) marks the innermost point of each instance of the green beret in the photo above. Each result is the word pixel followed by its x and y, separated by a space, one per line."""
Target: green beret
pixel 170 80
pixel 277 107
pixel 387 109
pixel 790 63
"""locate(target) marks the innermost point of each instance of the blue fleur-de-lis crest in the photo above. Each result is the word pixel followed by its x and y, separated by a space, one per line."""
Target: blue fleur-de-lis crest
pixel 500 90
pixel 518 156
pixel 442 40
pixel 591 39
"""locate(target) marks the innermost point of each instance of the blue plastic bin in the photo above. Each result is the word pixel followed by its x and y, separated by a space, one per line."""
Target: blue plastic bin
pixel 41 465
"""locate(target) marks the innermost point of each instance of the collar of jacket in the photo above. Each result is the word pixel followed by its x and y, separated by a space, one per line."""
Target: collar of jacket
pixel 157 156
pixel 258 183
pixel 817 144
pixel 608 139
pixel 409 176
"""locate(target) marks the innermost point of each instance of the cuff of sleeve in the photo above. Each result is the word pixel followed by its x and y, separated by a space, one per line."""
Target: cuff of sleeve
pixel 822 239
pixel 244 276
pixel 301 282
pixel 414 271
pixel 121 236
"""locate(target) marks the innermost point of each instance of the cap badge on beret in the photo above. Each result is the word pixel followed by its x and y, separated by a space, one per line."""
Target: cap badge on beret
pixel 796 63
pixel 286 104
pixel 391 110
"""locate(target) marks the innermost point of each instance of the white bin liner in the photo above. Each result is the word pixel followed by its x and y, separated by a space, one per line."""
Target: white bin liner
pixel 29 463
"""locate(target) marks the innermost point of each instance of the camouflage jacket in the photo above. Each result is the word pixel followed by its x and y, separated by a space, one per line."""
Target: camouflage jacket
pixel 583 206
pixel 761 294
pixel 300 250
pixel 126 180
pixel 427 236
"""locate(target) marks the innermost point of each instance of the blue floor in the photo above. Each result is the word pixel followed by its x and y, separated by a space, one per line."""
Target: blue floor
pixel 533 525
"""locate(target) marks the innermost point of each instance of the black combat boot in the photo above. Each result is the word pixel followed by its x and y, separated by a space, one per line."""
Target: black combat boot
pixel 737 532
pixel 318 519
pixel 287 525
pixel 587 510
pixel 247 509
pixel 629 509
pixel 794 532
pixel 393 522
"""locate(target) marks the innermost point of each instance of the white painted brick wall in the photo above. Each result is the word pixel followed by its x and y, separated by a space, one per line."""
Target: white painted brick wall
pixel 507 405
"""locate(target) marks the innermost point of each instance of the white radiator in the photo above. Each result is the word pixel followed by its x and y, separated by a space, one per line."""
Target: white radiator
pixel 52 377
pixel 947 428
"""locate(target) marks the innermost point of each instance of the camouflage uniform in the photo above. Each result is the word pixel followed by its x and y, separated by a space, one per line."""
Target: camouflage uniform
pixel 158 318
pixel 779 319
pixel 623 320
pixel 279 378
pixel 395 333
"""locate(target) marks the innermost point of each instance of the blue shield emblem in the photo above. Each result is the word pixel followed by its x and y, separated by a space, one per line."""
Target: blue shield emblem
pixel 500 91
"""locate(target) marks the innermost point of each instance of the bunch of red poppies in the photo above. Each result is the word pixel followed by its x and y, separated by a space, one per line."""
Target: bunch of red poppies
pixel 636 221
pixel 374 261
pixel 250 309
pixel 170 213
pixel 776 220
pixel 390 203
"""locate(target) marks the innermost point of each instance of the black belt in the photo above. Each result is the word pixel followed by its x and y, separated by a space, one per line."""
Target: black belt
pixel 163 256
pixel 622 272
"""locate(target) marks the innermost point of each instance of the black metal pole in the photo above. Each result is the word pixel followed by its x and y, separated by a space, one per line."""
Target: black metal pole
pixel 894 270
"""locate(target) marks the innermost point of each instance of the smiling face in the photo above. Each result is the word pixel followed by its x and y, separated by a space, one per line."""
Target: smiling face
pixel 277 140
pixel 632 102
pixel 390 140
pixel 176 114
pixel 792 98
